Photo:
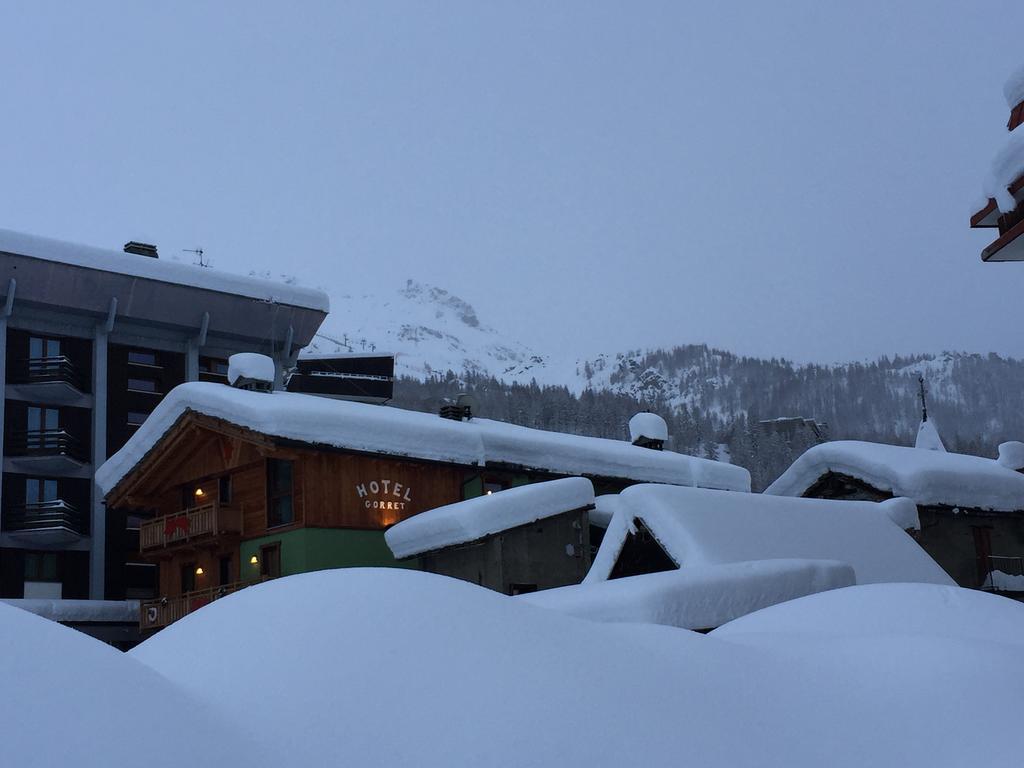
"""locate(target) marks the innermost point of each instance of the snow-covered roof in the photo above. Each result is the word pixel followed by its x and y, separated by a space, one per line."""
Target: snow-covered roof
pixel 395 432
pixel 107 260
pixel 470 520
pixel 114 611
pixel 928 438
pixel 1013 88
pixel 698 527
pixel 888 674
pixel 1007 167
pixel 699 597
pixel 927 477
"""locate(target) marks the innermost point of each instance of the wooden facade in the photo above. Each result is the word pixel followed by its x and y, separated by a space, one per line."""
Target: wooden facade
pixel 212 518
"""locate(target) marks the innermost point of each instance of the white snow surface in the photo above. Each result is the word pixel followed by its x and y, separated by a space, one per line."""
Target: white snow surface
pixel 902 511
pixel 80 610
pixel 700 597
pixel 250 365
pixel 470 520
pixel 1013 88
pixel 928 438
pixel 71 700
pixel 162 270
pixel 927 477
pixel 649 425
pixel 400 668
pixel 381 429
pixel 1011 454
pixel 1007 167
pixel 699 527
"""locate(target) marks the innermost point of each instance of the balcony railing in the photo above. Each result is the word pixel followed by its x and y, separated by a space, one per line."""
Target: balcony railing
pixel 1005 574
pixel 154 614
pixel 42 370
pixel 192 526
pixel 44 516
pixel 47 442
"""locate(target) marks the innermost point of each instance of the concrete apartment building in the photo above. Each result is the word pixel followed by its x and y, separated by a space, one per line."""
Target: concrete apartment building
pixel 92 340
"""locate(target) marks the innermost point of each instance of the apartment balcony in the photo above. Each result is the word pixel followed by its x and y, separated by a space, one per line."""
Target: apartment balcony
pixel 47 452
pixel 46 523
pixel 1005 574
pixel 52 380
pixel 155 614
pixel 197 527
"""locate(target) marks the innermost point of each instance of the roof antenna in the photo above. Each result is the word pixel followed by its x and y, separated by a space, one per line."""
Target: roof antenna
pixel 924 402
pixel 199 262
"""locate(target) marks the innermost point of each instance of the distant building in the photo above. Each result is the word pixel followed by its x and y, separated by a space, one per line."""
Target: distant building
pixel 92 340
pixel 795 429
pixel 1004 187
pixel 232 486
pixel 971 508
pixel 525 539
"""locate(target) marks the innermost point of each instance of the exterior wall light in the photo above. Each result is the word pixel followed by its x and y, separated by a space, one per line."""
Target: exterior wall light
pixel 199 571
pixel 254 560
pixel 199 492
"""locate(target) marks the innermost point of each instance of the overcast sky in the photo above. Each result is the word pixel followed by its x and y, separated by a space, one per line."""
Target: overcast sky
pixel 778 178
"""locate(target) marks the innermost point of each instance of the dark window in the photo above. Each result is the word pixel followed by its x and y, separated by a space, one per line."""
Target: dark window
pixel 188 577
pixel 39 490
pixel 42 419
pixel 141 357
pixel 279 493
pixel 135 418
pixel 270 561
pixel 39 347
pixel 225 570
pixel 521 589
pixel 213 365
pixel 142 385
pixel 224 489
pixel 491 486
pixel 41 566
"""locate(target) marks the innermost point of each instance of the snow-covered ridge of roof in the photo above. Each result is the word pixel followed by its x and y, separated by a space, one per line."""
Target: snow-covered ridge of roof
pixel 470 520
pixel 1013 88
pixel 700 597
pixel 1007 167
pixel 381 429
pixel 107 260
pixel 698 527
pixel 926 477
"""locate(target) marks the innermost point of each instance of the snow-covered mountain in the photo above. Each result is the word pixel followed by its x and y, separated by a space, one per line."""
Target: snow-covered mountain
pixel 430 330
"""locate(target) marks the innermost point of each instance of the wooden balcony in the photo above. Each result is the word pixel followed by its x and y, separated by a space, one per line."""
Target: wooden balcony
pixel 155 614
pixel 191 527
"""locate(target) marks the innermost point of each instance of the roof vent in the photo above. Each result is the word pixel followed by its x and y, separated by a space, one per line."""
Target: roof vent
pixel 140 249
pixel 648 430
pixel 251 371
pixel 1011 455
pixel 462 409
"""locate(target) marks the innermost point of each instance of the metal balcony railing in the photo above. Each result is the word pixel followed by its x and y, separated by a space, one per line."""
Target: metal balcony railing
pixel 40 370
pixel 189 526
pixel 45 516
pixel 47 442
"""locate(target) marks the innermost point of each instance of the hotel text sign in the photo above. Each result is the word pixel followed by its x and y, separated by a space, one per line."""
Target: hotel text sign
pixel 384 494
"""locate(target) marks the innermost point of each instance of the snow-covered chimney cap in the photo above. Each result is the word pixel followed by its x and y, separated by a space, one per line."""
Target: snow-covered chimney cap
pixel 1013 89
pixel 645 428
pixel 249 370
pixel 1011 455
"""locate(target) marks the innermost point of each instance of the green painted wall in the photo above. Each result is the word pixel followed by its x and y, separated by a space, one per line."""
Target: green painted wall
pixel 314 549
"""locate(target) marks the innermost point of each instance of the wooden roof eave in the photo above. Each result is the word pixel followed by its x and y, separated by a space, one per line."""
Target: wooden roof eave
pixel 1007 247
pixel 988 217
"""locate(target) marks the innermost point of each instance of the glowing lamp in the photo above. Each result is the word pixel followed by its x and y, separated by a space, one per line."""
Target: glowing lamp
pixel 199 571
pixel 199 492
pixel 254 560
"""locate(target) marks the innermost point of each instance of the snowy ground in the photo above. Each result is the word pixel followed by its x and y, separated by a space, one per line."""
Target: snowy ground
pixel 369 667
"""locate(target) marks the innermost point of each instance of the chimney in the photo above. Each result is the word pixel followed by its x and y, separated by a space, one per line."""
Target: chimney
pixel 1011 455
pixel 648 430
pixel 140 249
pixel 251 371
pixel 462 410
